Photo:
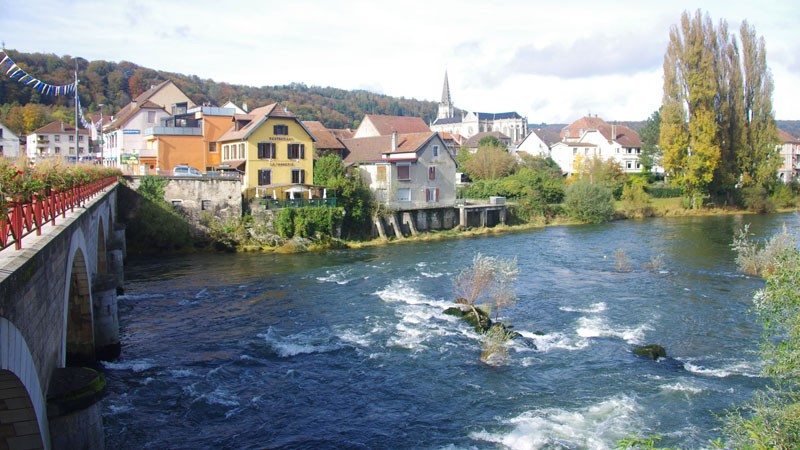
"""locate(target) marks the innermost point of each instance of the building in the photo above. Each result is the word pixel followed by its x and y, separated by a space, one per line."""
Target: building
pixel 9 142
pixel 474 142
pixel 189 138
pixel 468 124
pixel 327 142
pixel 274 150
pixel 405 171
pixel 57 139
pixel 123 137
pixel 380 125
pixel 590 137
pixel 538 142
pixel 789 149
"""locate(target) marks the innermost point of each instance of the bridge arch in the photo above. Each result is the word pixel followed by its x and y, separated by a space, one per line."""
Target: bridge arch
pixel 78 331
pixel 102 262
pixel 22 403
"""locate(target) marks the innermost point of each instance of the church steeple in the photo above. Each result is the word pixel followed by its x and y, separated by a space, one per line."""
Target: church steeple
pixel 446 105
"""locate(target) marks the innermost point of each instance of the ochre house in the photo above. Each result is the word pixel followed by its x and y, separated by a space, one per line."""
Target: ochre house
pixel 274 150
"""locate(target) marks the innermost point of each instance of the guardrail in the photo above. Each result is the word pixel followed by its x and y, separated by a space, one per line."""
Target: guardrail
pixel 298 202
pixel 20 219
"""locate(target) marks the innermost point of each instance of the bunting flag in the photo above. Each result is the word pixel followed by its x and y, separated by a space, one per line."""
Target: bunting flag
pixel 14 72
pixel 86 124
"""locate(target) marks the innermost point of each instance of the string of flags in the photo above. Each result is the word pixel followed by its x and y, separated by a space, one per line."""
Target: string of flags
pixel 86 123
pixel 13 71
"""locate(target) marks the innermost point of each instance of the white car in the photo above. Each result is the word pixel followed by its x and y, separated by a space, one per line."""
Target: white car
pixel 185 171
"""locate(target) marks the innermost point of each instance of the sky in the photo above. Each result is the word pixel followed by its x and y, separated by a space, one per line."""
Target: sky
pixel 552 61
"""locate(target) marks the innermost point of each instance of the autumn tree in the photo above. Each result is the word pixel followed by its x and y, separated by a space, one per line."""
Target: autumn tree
pixel 758 159
pixel 490 162
pixel 689 131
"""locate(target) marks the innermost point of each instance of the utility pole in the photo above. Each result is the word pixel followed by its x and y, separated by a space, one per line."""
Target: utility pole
pixel 77 146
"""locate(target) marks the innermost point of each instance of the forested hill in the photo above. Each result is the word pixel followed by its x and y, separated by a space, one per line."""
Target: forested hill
pixel 114 84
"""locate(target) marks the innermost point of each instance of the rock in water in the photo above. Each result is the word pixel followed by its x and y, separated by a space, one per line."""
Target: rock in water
pixel 652 351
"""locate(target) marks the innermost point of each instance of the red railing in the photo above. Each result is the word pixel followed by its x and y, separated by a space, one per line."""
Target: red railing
pixel 23 218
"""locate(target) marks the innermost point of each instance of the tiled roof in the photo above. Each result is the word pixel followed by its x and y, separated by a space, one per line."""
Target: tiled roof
pixel 787 138
pixel 141 101
pixel 622 134
pixel 548 135
pixel 255 118
pixel 371 149
pixel 341 133
pixel 475 140
pixel 59 127
pixel 325 139
pixel 447 121
pixel 498 116
pixel 387 124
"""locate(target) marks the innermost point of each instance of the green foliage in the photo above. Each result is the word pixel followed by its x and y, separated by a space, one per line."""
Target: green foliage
pixel 495 350
pixel 152 188
pixel 357 202
pixel 490 162
pixel 308 221
pixel 651 153
pixel 656 191
pixel 772 420
pixel 156 227
pixel 588 202
pixel 327 169
pixel 756 199
pixel 606 173
pixel 782 196
pixel 635 201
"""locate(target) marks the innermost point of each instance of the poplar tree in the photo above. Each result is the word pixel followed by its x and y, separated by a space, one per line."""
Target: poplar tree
pixel 689 130
pixel 759 161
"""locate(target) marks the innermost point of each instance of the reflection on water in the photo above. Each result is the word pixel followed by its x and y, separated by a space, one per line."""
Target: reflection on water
pixel 350 349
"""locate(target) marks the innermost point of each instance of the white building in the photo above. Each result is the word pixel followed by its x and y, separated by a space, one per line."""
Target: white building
pixel 468 124
pixel 593 137
pixel 789 149
pixel 9 142
pixel 405 171
pixel 57 139
pixel 123 138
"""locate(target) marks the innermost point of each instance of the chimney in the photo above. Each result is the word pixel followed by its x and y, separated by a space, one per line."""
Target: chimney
pixel 614 132
pixel 394 140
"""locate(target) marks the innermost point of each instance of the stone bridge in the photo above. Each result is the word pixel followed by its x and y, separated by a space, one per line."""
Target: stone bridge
pixel 58 315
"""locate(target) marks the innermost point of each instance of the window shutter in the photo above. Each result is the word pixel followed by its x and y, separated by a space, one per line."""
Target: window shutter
pixel 302 151
pixel 302 176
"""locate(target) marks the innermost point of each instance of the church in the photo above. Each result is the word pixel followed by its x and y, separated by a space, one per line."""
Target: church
pixel 468 124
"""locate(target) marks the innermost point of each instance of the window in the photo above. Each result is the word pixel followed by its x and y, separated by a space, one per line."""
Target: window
pixel 435 151
pixel 280 130
pixel 1 147
pixel 58 150
pixel 296 151
pixel 381 176
pixel 298 176
pixel 404 195
pixel 80 138
pixel 404 172
pixel 151 116
pixel 242 154
pixel 57 138
pixel 629 164
pixel 179 108
pixel 432 172
pixel 1 133
pixel 264 177
pixel 205 205
pixel 212 147
pixel 266 150
pixel 432 195
pixel 72 138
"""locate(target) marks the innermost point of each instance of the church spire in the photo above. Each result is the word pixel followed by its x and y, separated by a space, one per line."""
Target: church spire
pixel 446 90
pixel 446 105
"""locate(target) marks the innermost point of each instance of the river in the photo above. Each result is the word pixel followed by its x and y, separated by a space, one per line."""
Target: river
pixel 350 348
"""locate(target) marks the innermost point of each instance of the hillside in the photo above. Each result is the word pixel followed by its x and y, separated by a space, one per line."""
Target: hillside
pixel 114 84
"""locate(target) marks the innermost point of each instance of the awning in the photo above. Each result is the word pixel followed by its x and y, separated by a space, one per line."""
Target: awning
pixel 233 165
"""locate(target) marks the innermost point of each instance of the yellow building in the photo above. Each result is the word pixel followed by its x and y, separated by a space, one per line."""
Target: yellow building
pixel 274 149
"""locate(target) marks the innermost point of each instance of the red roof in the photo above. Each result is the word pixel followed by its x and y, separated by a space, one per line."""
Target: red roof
pixel 618 133
pixel 325 139
pixel 388 124
pixel 59 127
pixel 372 149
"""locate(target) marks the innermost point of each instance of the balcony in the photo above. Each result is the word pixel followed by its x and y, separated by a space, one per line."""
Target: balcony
pixel 173 131
pixel 298 202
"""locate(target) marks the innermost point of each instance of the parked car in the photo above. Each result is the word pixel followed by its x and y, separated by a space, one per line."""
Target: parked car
pixel 185 171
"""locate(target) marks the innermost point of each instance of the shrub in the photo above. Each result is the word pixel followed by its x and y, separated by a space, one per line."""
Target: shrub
pixel 622 262
pixel 308 221
pixel 152 187
pixel 783 197
pixel 756 199
pixel 588 202
pixel 635 201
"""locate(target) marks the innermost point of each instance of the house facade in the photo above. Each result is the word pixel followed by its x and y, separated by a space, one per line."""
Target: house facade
pixel 123 137
pixel 189 138
pixel 593 137
pixel 58 139
pixel 405 171
pixel 789 149
pixel 274 150
pixel 9 142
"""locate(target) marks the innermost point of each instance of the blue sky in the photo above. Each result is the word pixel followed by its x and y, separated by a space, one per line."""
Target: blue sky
pixel 550 61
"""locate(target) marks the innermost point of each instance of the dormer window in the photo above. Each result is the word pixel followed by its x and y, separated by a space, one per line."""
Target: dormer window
pixel 280 130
